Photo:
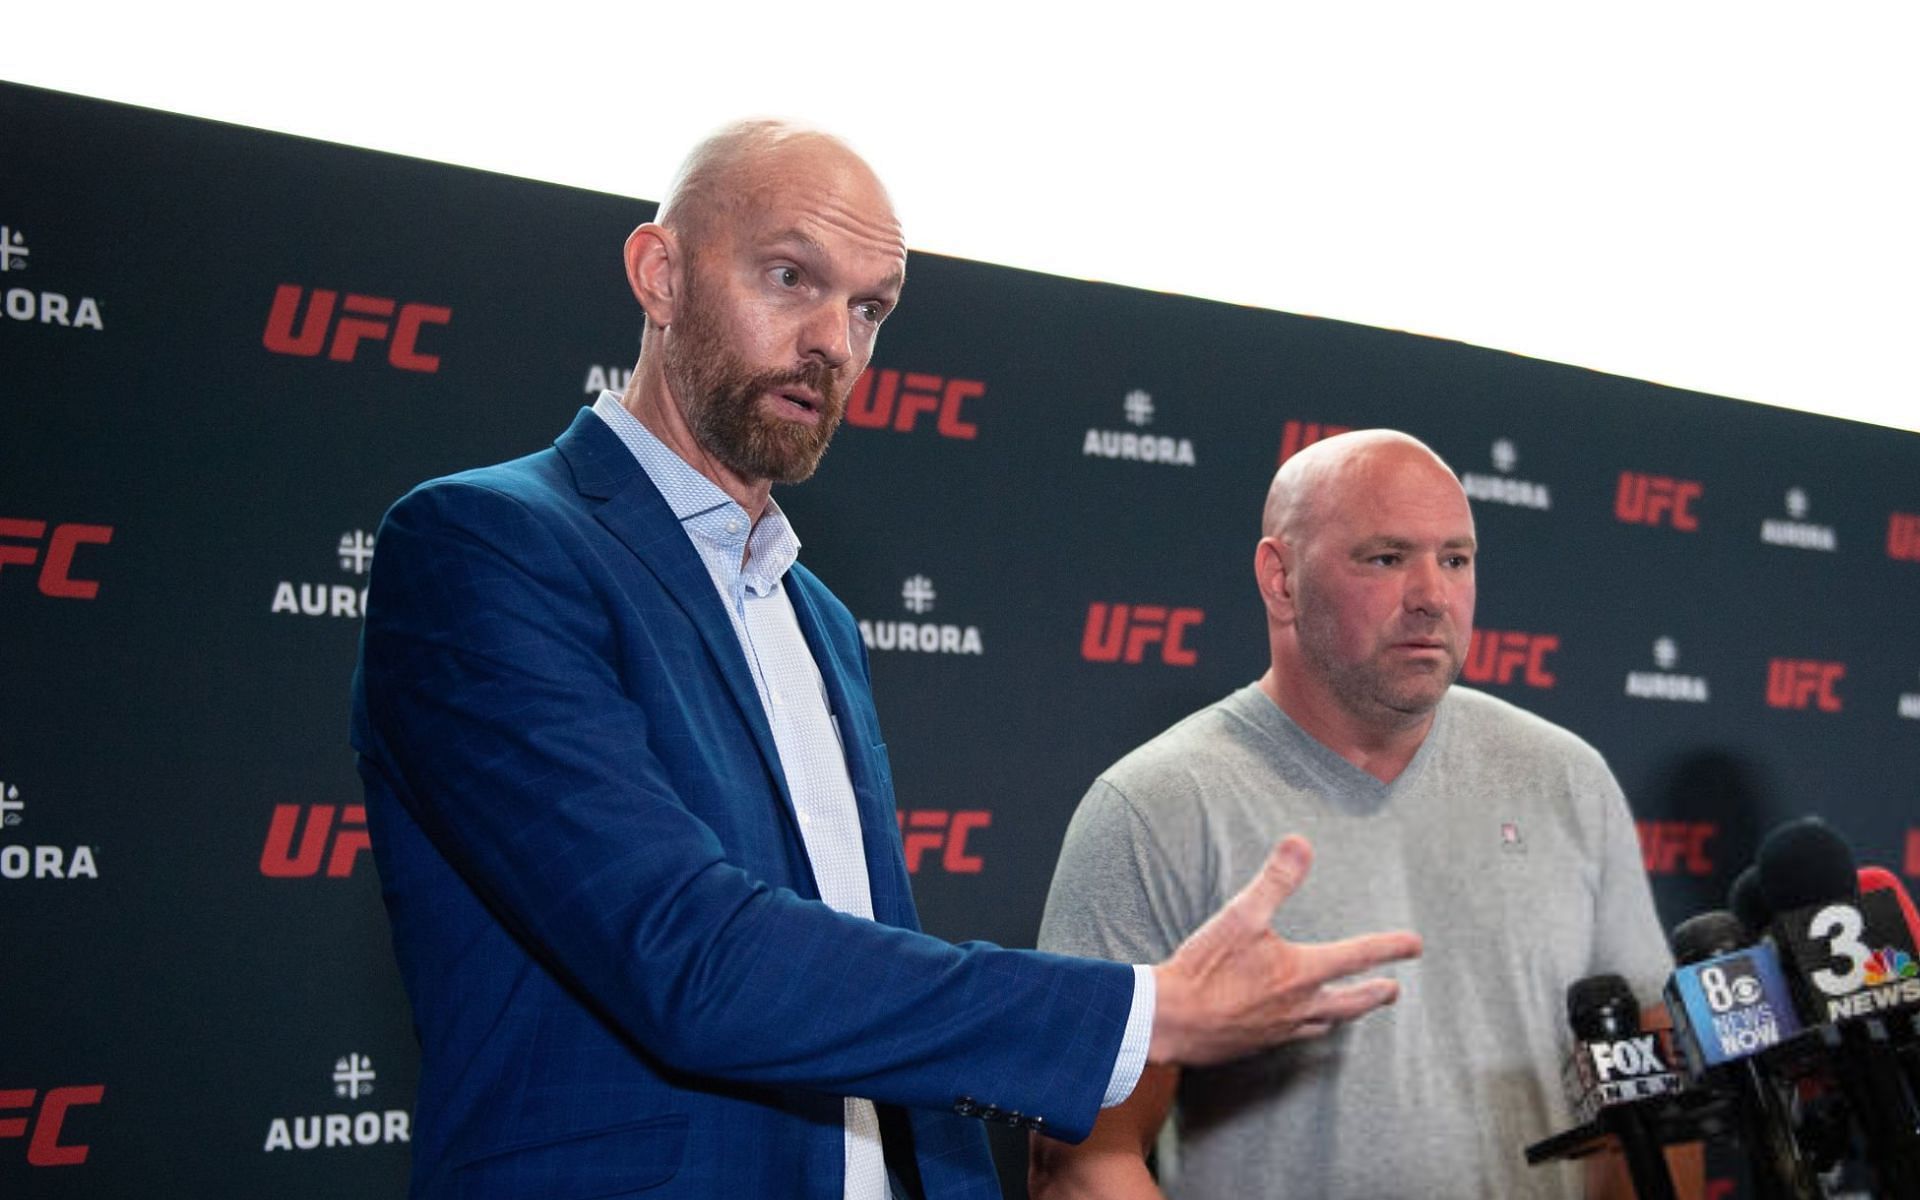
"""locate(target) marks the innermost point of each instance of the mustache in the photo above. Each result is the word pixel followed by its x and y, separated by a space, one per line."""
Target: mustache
pixel 817 377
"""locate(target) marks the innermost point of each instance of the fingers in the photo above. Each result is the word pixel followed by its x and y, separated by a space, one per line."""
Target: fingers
pixel 1338 1004
pixel 1285 867
pixel 1354 955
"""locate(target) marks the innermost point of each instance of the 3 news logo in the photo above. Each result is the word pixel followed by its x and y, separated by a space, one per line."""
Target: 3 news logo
pixel 354 553
pixel 1795 532
pixel 936 835
pixel 1501 656
pixel 360 318
pixel 1643 499
pixel 897 400
pixel 1676 847
pixel 21 860
pixel 1665 683
pixel 1296 436
pixel 917 596
pixel 1865 953
pixel 1135 633
pixel 353 1080
pixel 1137 445
pixel 304 838
pixel 1903 536
pixel 53 547
pixel 50 1143
pixel 32 306
pixel 1803 683
pixel 1504 488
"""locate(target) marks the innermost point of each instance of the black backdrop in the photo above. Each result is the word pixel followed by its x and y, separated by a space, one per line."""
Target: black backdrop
pixel 1053 484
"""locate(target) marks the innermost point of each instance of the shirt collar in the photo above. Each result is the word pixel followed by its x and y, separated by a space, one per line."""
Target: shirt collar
pixel 710 516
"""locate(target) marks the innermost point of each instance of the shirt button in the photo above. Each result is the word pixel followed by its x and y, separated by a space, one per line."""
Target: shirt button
pixel 733 527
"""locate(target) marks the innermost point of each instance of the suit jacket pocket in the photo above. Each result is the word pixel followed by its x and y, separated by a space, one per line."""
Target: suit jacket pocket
pixel 621 1161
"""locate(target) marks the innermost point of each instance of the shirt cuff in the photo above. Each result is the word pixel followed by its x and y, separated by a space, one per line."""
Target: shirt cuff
pixel 1133 1043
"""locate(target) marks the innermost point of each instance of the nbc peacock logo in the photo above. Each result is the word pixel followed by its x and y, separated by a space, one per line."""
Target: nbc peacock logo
pixel 1891 965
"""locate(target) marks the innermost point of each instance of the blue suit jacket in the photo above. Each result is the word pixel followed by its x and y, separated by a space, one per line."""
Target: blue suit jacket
pixel 621 978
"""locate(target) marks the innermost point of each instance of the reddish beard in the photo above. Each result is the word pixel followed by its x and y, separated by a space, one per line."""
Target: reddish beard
pixel 720 398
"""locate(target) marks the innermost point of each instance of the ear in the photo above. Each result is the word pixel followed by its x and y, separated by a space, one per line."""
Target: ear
pixel 653 271
pixel 1273 563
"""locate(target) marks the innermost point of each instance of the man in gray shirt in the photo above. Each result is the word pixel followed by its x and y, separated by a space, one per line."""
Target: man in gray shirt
pixel 1502 837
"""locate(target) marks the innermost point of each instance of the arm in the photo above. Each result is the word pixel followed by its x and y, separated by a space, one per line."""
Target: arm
pixel 1112 1163
pixel 496 716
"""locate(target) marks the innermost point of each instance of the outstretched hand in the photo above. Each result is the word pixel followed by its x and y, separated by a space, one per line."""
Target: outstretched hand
pixel 1235 986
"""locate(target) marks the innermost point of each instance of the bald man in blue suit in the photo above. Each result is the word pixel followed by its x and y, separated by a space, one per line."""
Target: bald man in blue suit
pixel 630 802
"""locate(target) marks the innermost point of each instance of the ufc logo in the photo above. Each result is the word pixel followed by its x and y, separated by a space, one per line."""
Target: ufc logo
pixel 1912 865
pixel 1903 536
pixel 1122 633
pixel 56 571
pixel 44 1148
pixel 1801 683
pixel 1495 657
pixel 880 400
pixel 1652 499
pixel 1296 436
pixel 365 318
pixel 279 860
pixel 1675 847
pixel 925 829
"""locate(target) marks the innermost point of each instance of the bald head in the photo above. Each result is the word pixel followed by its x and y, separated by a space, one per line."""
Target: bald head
pixel 742 164
pixel 1311 482
pixel 1365 565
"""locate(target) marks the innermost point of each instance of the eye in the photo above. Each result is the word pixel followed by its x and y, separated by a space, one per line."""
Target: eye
pixel 786 277
pixel 1387 559
pixel 1458 560
pixel 871 311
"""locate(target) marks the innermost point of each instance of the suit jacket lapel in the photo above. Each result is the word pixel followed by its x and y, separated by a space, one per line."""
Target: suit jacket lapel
pixel 635 513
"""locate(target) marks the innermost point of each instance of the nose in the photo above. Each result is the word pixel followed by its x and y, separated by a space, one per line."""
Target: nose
pixel 1428 589
pixel 827 334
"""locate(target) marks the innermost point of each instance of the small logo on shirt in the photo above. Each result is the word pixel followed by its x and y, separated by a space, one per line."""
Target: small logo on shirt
pixel 1510 838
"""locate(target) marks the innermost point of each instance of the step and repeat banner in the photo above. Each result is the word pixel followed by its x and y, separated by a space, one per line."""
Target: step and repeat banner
pixel 225 352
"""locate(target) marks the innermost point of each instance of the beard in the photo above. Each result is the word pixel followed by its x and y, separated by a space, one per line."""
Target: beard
pixel 720 399
pixel 1370 684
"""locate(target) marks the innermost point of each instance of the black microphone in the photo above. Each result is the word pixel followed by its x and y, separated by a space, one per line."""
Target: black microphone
pixel 1730 1003
pixel 1848 956
pixel 1749 903
pixel 1614 1066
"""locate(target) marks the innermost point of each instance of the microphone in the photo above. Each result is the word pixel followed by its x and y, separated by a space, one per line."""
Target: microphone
pixel 1730 1003
pixel 1748 903
pixel 1851 958
pixel 1614 1066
